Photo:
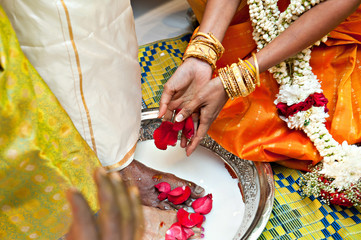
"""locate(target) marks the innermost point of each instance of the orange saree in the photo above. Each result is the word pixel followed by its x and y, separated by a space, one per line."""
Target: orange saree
pixel 250 127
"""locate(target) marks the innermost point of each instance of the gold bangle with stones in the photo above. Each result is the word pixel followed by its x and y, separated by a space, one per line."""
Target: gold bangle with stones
pixel 238 75
pixel 222 76
pixel 251 77
pixel 248 80
pixel 239 79
pixel 257 69
pixel 233 78
pixel 248 73
pixel 232 81
pixel 250 69
pixel 227 81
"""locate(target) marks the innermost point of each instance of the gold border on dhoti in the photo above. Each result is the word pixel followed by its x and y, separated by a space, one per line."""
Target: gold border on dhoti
pixel 123 161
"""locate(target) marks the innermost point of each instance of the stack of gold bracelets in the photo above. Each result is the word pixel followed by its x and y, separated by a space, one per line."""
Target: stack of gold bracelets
pixel 206 48
pixel 239 79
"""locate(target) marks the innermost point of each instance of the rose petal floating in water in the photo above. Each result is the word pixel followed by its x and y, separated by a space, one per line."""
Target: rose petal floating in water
pixel 203 205
pixel 189 220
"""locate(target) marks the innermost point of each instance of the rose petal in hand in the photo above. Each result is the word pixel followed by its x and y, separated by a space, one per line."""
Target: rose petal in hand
pixel 177 126
pixel 188 129
pixel 164 135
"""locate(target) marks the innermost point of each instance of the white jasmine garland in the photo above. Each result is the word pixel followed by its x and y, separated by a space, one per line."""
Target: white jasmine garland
pixel 341 163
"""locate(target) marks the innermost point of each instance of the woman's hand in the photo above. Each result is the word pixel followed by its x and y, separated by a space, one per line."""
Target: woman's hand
pixel 192 90
pixel 199 96
pixel 183 86
pixel 209 101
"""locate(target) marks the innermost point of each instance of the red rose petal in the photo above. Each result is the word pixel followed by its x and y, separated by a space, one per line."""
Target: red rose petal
pixel 179 195
pixel 160 133
pixel 176 232
pixel 163 187
pixel 177 126
pixel 189 220
pixel 164 135
pixel 189 232
pixel 200 224
pixel 177 191
pixel 188 130
pixel 203 205
pixel 162 196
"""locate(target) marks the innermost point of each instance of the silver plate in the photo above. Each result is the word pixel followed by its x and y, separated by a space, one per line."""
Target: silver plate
pixel 256 180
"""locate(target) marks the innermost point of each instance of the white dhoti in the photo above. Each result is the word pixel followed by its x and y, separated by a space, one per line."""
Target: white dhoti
pixel 87 53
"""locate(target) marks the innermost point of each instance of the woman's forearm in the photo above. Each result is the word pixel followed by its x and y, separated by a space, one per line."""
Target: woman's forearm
pixel 308 29
pixel 218 15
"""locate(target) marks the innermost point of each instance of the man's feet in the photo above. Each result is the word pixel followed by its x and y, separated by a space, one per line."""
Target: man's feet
pixel 157 222
pixel 145 178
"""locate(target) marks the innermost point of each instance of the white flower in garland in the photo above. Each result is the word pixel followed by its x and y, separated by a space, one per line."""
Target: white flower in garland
pixel 303 106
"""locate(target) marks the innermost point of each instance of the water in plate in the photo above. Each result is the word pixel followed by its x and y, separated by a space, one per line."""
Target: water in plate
pixel 205 168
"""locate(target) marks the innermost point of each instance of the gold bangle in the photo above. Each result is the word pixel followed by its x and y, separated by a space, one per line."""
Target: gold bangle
pixel 239 78
pixel 249 83
pixel 222 76
pixel 250 74
pixel 207 48
pixel 238 88
pixel 228 82
pixel 201 52
pixel 207 43
pixel 257 69
pixel 217 44
pixel 232 81
pixel 250 66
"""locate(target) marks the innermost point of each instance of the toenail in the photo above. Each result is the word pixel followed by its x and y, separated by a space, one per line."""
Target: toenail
pixel 198 189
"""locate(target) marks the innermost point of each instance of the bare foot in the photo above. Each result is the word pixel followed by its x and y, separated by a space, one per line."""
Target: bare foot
pixel 145 178
pixel 157 222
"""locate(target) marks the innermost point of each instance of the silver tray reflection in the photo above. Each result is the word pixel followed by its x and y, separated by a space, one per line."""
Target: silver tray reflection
pixel 255 178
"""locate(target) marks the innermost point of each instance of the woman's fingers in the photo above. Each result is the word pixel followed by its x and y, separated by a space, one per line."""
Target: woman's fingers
pixel 84 225
pixel 165 99
pixel 176 83
pixel 200 134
